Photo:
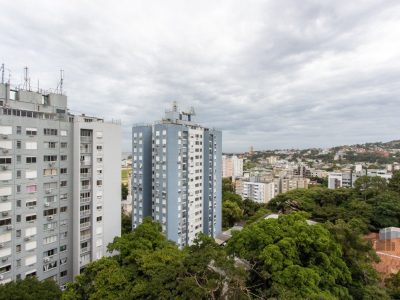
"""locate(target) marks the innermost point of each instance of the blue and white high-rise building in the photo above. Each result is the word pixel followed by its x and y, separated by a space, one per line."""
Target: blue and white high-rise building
pixel 176 176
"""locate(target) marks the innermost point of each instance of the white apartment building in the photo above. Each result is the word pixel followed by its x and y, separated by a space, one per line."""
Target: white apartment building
pixel 347 179
pixel 59 187
pixel 261 192
pixel 232 166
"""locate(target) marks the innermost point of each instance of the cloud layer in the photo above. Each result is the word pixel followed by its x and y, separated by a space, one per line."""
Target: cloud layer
pixel 271 74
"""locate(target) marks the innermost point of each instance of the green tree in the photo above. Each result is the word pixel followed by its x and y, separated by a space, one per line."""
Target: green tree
pixel 367 187
pixel 392 284
pixel 359 256
pixel 30 289
pixel 126 223
pixel 148 266
pixel 394 182
pixel 124 191
pixel 231 213
pixel 292 260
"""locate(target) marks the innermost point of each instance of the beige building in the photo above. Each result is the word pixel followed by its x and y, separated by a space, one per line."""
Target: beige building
pixel 232 166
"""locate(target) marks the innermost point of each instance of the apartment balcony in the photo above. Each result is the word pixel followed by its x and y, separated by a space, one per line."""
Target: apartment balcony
pixel 83 262
pixel 85 187
pixel 85 250
pixel 86 151
pixel 85 200
pixel 85 237
pixel 86 163
pixel 85 213
pixel 86 175
pixel 84 225
pixel 86 139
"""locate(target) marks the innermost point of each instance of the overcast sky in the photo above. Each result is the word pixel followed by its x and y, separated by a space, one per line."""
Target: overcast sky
pixel 272 74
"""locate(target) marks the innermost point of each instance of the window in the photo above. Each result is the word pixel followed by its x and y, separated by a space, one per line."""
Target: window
pixel 63 196
pixel 50 158
pixel 49 131
pixel 99 159
pixel 31 131
pixel 18 248
pixel 63 132
pixel 49 266
pixel 50 239
pixel 30 203
pixel 63 248
pixel 18 159
pixel 63 261
pixel 49 226
pixel 99 147
pixel 5 269
pixel 98 219
pixel 30 218
pixel 18 188
pixel 19 144
pixel 99 182
pixel 18 233
pixel 64 145
pixel 30 159
pixel 63 273
pixel 19 129
pixel 31 188
pixel 63 157
pixel 63 171
pixel 50 252
pixel 63 235
pixel 18 218
pixel 18 174
pixel 49 172
pixel 50 212
pixel 63 183
pixel 5 160
pixel 18 203
pixel 50 145
pixel 63 209
pixel 6 130
pixel 31 145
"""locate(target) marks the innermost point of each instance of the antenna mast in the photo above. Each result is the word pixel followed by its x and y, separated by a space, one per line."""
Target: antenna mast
pixel 25 78
pixel 2 73
pixel 61 81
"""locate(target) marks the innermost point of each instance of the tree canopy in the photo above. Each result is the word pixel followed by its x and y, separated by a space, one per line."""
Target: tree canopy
pixel 30 289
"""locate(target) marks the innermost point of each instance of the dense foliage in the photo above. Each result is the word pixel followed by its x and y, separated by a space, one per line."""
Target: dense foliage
pixel 150 267
pixel 373 202
pixel 30 289
pixel 234 209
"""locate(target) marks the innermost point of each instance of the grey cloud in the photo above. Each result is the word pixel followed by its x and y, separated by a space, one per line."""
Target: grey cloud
pixel 268 73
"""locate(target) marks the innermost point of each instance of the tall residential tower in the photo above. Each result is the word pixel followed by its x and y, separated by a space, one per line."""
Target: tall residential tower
pixel 176 176
pixel 59 186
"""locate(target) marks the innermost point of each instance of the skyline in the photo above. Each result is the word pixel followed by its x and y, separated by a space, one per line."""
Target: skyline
pixel 271 75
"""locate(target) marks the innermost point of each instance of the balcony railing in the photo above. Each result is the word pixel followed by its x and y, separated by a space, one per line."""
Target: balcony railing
pixel 85 225
pixel 85 200
pixel 85 237
pixel 85 213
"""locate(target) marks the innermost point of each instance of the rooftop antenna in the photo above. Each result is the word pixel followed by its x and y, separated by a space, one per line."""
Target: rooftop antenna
pixel 2 73
pixel 25 78
pixel 174 106
pixel 61 81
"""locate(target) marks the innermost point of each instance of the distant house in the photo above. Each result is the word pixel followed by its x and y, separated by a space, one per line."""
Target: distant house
pixel 387 245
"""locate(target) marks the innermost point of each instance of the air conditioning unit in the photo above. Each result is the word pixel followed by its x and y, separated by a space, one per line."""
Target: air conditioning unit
pixel 4 213
pixel 27 238
pixel 9 227
pixel 50 218
pixel 47 204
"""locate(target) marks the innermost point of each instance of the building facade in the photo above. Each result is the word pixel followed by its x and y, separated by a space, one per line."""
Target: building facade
pixel 59 174
pixel 232 166
pixel 260 192
pixel 176 176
